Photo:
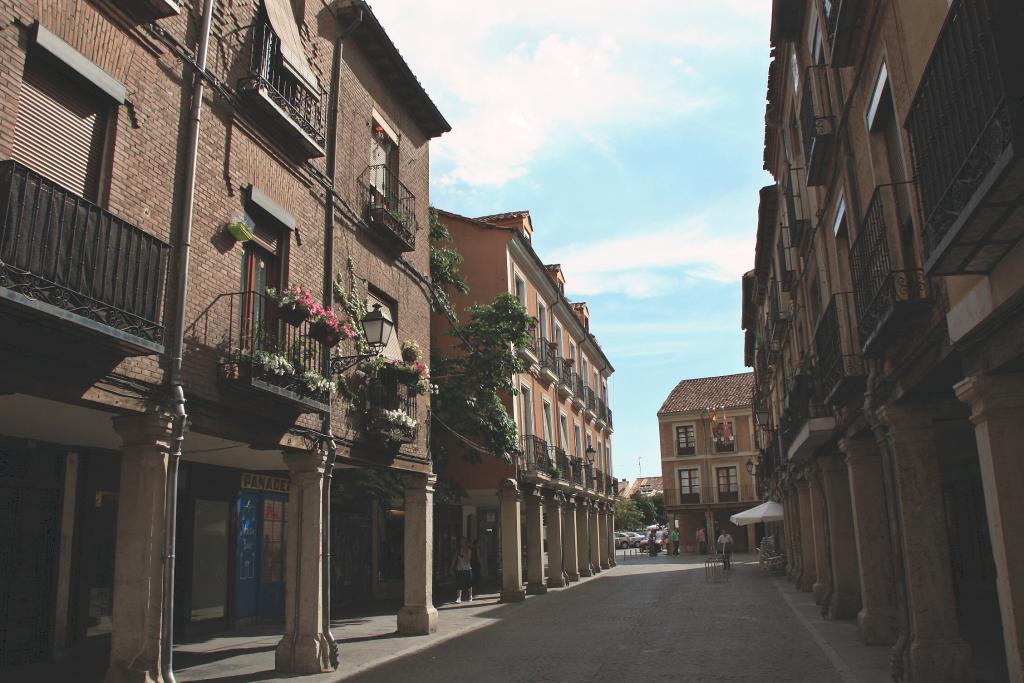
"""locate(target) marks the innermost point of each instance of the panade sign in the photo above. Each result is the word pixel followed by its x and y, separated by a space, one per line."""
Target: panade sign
pixel 262 482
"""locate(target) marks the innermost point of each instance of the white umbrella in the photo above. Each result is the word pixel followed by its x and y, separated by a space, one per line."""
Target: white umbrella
pixel 765 512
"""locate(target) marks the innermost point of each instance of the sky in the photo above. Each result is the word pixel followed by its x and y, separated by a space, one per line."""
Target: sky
pixel 633 133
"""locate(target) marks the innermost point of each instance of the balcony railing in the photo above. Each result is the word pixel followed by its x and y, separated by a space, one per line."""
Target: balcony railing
pixel 385 394
pixel 564 373
pixel 842 16
pixel 562 464
pixel 817 125
pixel 588 471
pixel 839 360
pixel 964 127
pixel 270 78
pixel 803 403
pixel 787 262
pixel 886 294
pixel 63 257
pixel 536 457
pixel 725 446
pixel 689 497
pixel 577 471
pixel 602 409
pixel 264 356
pixel 730 495
pixel 532 344
pixel 599 480
pixel 589 399
pixel 578 385
pixel 548 357
pixel 389 207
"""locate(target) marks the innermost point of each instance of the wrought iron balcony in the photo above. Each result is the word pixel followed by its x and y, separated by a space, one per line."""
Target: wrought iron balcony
pixel 588 471
pixel 548 360
pixel 817 123
pixel 566 385
pixel 267 359
pixel 888 295
pixel 386 394
pixel 787 260
pixel 598 480
pixel 609 420
pixel 577 471
pixel 728 495
pixel 964 126
pixel 562 464
pixel 835 341
pixel 589 399
pixel 615 486
pixel 806 423
pixel 67 263
pixel 536 458
pixel 281 97
pixel 843 17
pixel 778 315
pixel 725 446
pixel 389 207
pixel 531 349
pixel 602 409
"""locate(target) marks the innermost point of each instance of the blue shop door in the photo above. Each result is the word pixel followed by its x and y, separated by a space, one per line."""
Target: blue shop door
pixel 271 598
pixel 247 587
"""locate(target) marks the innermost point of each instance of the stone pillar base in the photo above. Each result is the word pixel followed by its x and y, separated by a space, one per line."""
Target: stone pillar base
pixel 878 626
pixel 557 581
pixel 605 564
pixel 596 569
pixel 573 577
pixel 417 621
pixel 121 674
pixel 946 660
pixel 820 590
pixel 512 596
pixel 805 583
pixel 843 605
pixel 585 571
pixel 304 653
pixel 536 588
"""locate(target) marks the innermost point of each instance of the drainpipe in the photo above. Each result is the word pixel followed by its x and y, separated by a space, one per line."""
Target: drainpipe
pixel 328 295
pixel 892 509
pixel 177 353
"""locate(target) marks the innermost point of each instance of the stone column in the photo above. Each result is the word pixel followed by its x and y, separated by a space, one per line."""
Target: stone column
pixel 534 543
pixel 844 601
pixel 418 616
pixel 570 558
pixel 997 411
pixel 602 525
pixel 937 653
pixel 553 510
pixel 807 577
pixel 303 647
pixel 788 514
pixel 583 535
pixel 595 539
pixel 511 543
pixel 139 552
pixel 611 536
pixel 818 527
pixel 877 621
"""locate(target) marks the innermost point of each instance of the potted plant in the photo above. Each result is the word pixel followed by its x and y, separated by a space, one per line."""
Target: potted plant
pixel 327 327
pixel 294 304
pixel 393 426
pixel 240 230
pixel 316 384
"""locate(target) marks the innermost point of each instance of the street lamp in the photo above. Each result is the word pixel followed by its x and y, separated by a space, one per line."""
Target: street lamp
pixel 377 329
pixel 590 454
pixel 762 415
pixel 750 466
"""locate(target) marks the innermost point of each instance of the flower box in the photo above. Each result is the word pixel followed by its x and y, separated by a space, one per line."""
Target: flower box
pixel 294 314
pixel 322 332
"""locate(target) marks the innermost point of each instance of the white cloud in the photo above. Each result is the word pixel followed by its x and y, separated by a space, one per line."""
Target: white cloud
pixel 519 79
pixel 656 263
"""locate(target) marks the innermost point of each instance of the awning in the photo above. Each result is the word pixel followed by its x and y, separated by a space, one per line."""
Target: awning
pixel 765 512
pixel 282 20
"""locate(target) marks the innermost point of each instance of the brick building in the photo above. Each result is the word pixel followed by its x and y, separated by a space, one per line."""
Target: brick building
pixel 883 323
pixel 163 165
pixel 707 451
pixel 559 494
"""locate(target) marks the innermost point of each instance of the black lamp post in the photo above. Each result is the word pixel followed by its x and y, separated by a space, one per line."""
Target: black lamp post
pixel 750 466
pixel 377 329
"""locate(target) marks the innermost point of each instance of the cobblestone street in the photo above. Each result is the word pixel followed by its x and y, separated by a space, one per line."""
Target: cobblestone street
pixel 647 620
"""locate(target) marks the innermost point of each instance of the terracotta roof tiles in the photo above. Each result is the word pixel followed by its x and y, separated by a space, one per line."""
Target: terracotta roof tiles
pixel 704 393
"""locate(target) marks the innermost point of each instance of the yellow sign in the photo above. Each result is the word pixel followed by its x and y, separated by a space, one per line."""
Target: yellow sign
pixel 262 482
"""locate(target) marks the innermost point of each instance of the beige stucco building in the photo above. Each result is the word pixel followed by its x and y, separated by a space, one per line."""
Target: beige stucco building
pixel 706 431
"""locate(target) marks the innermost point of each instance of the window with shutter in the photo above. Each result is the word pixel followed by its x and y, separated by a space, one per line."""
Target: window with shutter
pixel 60 132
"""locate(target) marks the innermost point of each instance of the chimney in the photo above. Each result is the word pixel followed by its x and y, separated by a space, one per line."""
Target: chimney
pixel 582 313
pixel 555 273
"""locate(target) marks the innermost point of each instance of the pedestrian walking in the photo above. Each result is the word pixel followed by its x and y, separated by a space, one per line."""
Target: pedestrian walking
pixel 725 548
pixel 462 566
pixel 652 544
pixel 702 541
pixel 674 538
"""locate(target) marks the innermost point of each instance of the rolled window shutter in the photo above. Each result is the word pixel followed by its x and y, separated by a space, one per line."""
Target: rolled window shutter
pixel 60 132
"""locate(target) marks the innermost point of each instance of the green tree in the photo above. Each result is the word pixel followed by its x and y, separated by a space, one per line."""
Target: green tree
pixel 627 514
pixel 646 507
pixel 658 500
pixel 472 380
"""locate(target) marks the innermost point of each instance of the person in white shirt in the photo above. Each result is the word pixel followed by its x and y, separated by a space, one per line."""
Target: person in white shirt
pixel 725 547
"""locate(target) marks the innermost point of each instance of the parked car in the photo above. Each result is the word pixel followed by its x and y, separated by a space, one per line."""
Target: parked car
pixel 660 538
pixel 623 539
